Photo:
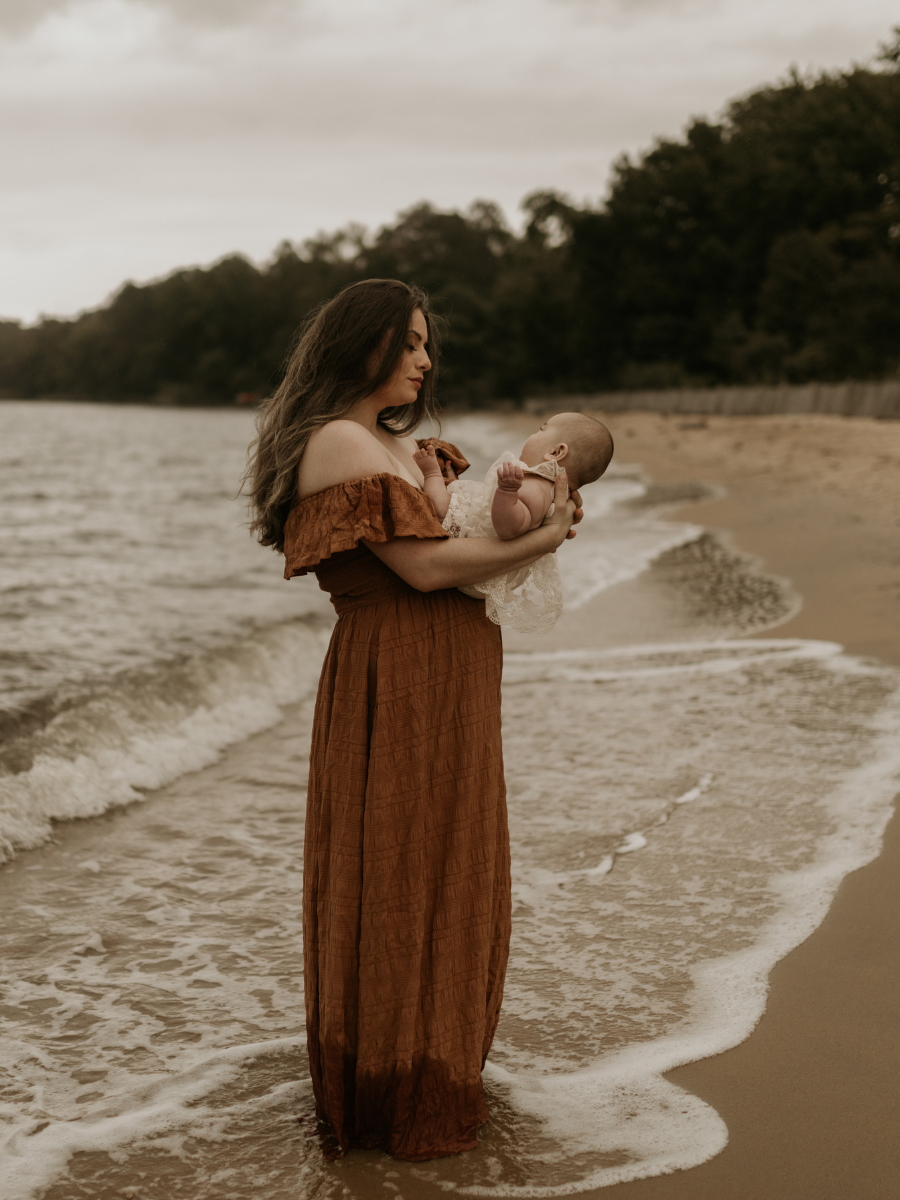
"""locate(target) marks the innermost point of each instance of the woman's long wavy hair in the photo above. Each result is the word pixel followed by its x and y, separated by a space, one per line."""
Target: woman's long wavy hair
pixel 328 372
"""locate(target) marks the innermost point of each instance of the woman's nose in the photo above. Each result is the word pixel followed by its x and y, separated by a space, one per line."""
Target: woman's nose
pixel 424 363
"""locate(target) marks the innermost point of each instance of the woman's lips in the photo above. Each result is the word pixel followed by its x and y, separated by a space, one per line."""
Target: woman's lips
pixel 417 383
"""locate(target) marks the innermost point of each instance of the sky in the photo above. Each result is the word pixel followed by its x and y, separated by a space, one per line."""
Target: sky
pixel 138 136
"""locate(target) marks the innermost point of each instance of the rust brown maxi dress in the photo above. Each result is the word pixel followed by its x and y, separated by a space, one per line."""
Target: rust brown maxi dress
pixel 406 885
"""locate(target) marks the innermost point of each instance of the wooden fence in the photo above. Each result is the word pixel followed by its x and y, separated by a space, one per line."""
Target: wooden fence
pixel 880 400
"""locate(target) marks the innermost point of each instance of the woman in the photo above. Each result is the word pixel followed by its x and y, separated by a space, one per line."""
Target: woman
pixel 406 892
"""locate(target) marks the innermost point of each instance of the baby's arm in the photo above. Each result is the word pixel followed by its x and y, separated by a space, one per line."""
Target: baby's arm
pixel 435 488
pixel 519 503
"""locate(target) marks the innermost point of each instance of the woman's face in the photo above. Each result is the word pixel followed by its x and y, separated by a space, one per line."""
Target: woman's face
pixel 404 385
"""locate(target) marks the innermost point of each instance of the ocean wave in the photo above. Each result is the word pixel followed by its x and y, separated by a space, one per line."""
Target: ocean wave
pixel 713 796
pixel 773 775
pixel 118 738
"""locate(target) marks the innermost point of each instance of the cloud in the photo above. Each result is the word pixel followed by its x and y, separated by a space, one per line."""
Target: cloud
pixel 140 135
pixel 637 10
pixel 19 17
pixel 226 12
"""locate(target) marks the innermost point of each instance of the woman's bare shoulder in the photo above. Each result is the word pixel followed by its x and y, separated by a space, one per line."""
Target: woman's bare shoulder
pixel 406 439
pixel 341 433
pixel 338 452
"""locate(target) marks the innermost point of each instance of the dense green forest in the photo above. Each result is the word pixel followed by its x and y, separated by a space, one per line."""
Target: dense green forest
pixel 763 248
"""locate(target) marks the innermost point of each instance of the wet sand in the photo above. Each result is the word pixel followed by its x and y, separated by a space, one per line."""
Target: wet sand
pixel 812 1098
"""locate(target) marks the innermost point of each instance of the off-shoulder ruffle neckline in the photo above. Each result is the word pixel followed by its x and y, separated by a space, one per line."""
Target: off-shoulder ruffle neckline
pixel 375 508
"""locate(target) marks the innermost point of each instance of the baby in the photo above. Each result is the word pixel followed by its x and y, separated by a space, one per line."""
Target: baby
pixel 517 494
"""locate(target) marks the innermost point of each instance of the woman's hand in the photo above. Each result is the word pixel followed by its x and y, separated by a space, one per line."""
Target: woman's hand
pixel 565 515
pixel 579 511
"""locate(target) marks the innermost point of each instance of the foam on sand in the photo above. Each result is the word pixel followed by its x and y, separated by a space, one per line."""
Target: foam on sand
pixel 680 816
pixel 663 907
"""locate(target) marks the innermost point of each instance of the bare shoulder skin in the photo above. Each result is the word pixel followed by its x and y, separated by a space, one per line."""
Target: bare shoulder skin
pixel 344 450
pixel 403 450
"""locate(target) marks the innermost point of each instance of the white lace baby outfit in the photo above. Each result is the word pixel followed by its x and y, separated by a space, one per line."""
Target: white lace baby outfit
pixel 529 599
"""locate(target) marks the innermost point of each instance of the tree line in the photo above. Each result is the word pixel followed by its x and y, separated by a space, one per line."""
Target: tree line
pixel 764 248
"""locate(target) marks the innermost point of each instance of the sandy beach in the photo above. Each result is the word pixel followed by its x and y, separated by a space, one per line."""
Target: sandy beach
pixel 670 747
pixel 812 1098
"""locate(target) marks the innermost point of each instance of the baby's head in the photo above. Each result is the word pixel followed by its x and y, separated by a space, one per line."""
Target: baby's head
pixel 577 442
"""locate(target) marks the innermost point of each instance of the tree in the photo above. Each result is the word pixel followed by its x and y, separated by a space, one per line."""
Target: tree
pixel 761 248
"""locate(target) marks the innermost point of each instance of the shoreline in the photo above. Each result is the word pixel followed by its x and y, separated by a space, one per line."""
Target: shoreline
pixel 812 1098
pixel 834 546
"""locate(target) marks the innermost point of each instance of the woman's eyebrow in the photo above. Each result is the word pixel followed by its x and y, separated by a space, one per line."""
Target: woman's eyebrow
pixel 415 334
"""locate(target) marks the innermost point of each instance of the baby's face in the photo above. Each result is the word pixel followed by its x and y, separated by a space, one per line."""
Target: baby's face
pixel 544 444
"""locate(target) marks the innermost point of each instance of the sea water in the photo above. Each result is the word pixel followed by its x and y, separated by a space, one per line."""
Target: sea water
pixel 141 628
pixel 681 815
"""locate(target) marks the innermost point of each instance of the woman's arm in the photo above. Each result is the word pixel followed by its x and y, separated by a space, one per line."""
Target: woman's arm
pixel 429 564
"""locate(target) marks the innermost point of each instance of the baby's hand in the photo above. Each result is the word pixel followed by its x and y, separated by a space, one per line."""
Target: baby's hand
pixel 427 461
pixel 509 477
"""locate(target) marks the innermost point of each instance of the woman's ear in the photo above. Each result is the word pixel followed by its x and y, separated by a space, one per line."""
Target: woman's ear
pixel 558 453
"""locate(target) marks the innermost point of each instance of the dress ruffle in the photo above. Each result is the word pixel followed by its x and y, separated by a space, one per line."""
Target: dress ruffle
pixel 378 508
pixel 447 453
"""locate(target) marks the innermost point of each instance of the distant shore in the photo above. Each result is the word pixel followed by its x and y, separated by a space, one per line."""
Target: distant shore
pixel 879 399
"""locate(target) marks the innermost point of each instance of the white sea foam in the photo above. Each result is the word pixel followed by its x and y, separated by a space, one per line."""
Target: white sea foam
pixel 35 1154
pixel 158 994
pixel 671 658
pixel 139 732
pixel 712 798
pixel 794 840
pixel 615 544
pixel 142 628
